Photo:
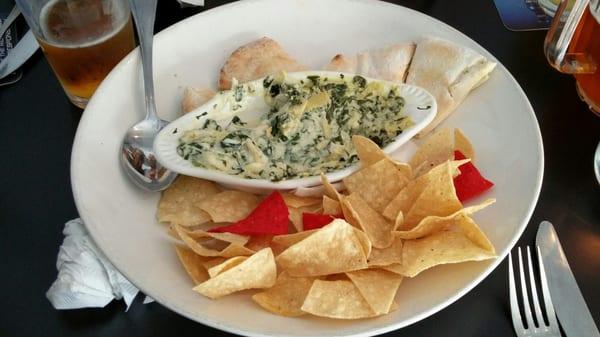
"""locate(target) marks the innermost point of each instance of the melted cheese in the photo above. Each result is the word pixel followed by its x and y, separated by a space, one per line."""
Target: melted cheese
pixel 307 130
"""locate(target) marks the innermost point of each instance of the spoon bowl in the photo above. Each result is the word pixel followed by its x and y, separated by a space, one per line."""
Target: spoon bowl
pixel 138 159
pixel 137 155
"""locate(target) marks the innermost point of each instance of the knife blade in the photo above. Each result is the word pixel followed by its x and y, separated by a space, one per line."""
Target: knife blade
pixel 19 54
pixel 570 307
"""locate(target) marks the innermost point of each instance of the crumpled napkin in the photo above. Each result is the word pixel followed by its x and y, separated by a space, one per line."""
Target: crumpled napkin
pixel 86 279
pixel 191 2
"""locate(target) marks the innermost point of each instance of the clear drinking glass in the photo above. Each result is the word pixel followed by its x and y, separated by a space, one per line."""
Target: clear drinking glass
pixel 572 46
pixel 82 40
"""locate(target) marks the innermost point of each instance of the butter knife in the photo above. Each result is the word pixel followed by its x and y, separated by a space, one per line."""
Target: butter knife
pixel 570 307
pixel 19 54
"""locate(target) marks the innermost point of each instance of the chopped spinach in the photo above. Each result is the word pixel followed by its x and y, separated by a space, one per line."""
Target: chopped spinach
pixel 293 140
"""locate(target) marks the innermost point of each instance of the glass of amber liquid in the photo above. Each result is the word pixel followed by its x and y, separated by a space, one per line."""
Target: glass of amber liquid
pixel 82 40
pixel 572 46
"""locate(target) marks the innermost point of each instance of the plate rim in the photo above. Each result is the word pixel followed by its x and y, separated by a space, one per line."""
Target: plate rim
pixel 76 188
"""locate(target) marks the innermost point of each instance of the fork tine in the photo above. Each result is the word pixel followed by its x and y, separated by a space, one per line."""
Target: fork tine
pixel 536 304
pixel 526 307
pixel 514 304
pixel 546 294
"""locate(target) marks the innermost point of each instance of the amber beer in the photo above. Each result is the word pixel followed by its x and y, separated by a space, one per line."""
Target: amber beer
pixel 586 40
pixel 83 40
pixel 572 46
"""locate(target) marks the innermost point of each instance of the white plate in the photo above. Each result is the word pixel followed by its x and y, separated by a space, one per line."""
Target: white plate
pixel 496 116
pixel 219 108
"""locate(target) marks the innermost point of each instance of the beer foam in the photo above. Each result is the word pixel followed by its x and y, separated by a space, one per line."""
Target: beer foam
pixel 119 13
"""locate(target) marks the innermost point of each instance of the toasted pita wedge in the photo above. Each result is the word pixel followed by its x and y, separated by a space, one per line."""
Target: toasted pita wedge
pixel 389 63
pixel 343 64
pixel 449 72
pixel 194 97
pixel 255 60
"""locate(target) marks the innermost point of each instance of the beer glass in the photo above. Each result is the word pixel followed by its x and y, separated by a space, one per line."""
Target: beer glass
pixel 82 40
pixel 572 46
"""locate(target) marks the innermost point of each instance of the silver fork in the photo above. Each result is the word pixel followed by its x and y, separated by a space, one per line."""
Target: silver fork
pixel 541 330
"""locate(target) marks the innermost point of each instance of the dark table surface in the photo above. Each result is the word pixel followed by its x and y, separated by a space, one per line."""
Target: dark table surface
pixel 37 126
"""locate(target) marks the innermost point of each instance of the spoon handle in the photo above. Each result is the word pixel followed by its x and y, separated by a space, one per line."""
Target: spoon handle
pixel 144 12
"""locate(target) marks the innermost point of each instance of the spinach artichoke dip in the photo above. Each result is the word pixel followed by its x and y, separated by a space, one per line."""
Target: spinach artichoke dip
pixel 306 131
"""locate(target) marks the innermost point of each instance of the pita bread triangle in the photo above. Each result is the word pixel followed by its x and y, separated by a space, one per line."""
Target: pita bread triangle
pixel 449 72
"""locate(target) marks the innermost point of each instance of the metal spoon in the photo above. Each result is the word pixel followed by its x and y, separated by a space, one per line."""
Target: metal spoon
pixel 137 154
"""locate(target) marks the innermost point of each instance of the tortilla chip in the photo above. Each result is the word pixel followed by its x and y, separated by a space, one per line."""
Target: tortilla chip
pixel 258 271
pixel 435 149
pixel 377 228
pixel 347 213
pixel 198 234
pixel 404 169
pixel 288 240
pixel 437 199
pixel 470 183
pixel 378 287
pixel 336 299
pixel 408 196
pixel 331 207
pixel 192 263
pixel 462 144
pixel 405 199
pixel 315 220
pixel 332 249
pixel 270 217
pixel 316 191
pixel 396 268
pixel 211 262
pixel 226 265
pixel 330 190
pixel 431 224
pixel 368 152
pixel 292 200
pixel 399 220
pixel 286 296
pixel 438 248
pixel 377 184
pixel 227 237
pixel 362 236
pixel 207 226
pixel 254 60
pixel 364 241
pixel 178 204
pixel 230 206
pixel 258 242
pixel 194 97
pixel 335 277
pixel 472 231
pixel 296 215
pixel 386 256
pixel 231 250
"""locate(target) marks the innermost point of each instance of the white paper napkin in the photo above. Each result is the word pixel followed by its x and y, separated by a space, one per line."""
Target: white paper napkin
pixel 191 2
pixel 86 279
